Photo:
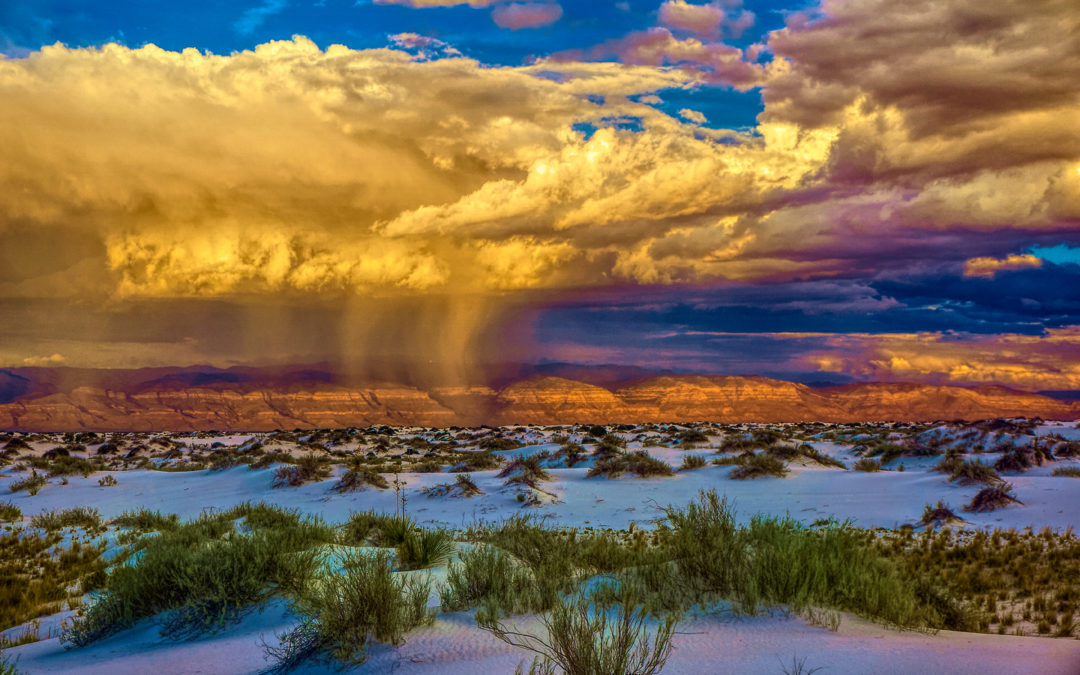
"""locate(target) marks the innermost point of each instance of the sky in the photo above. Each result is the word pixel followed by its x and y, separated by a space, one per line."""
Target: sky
pixel 856 190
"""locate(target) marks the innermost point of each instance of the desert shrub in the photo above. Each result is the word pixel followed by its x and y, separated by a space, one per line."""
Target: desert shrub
pixel 584 637
pixel 356 479
pixel 525 470
pixel 936 515
pixel 9 513
pixel 779 561
pixel 107 481
pixel 991 498
pixel 307 468
pixel 8 666
pixel 485 575
pixel 498 443
pixel 427 466
pixel 757 466
pixel 572 453
pixel 477 461
pixel 1020 459
pixel 32 483
pixel 425 548
pixel 1070 471
pixel 145 520
pixel 812 453
pixel 867 465
pixel 73 466
pixel 80 516
pixel 640 463
pixel 549 554
pixel 107 449
pixel 363 602
pixel 973 471
pixel 204 583
pixel 691 462
pixel 463 486
pixel 394 530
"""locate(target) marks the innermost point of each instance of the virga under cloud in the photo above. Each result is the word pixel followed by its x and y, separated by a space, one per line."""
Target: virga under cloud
pixel 896 142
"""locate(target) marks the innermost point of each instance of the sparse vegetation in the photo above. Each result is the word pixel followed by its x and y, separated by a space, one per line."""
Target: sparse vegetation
pixel 992 498
pixel 349 609
pixel 758 465
pixel 641 464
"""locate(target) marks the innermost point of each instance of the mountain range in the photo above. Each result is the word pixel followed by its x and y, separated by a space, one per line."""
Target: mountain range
pixel 255 399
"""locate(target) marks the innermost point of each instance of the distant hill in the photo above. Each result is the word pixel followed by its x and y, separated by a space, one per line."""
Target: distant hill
pixel 250 399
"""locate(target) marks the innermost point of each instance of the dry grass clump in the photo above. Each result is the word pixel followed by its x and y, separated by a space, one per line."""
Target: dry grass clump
pixel 1020 459
pixel 867 465
pixel 341 616
pixel 692 462
pixel 463 486
pixel 969 472
pixel 78 517
pixel 758 465
pixel 524 471
pixel 1070 471
pixel 641 464
pixel 477 461
pixel 992 498
pixel 357 479
pixel 940 514
pixel 307 469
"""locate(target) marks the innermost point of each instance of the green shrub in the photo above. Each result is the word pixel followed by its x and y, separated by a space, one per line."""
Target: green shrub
pixel 356 479
pixel 867 465
pixel 308 468
pixel 779 561
pixel 73 466
pixel 641 464
pixel 485 575
pixel 32 483
pixel 477 461
pixel 973 471
pixel 584 637
pixel 425 548
pixel 938 514
pixel 757 466
pixel 204 583
pixel 9 513
pixel 691 462
pixel 80 516
pixel 364 602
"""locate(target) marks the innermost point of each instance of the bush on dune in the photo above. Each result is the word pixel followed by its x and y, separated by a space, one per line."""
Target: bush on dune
pixel 307 469
pixel 992 498
pixel 758 466
pixel 351 608
pixel 779 561
pixel 356 479
pixel 202 578
pixel 641 464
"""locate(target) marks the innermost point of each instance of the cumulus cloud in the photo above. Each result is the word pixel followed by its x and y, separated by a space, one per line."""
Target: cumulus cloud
pixel 518 15
pixel 707 20
pixel 713 62
pixel 1042 362
pixel 890 133
pixel 51 360
pixel 693 115
pixel 988 267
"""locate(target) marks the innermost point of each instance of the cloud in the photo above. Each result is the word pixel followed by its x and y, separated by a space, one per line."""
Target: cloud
pixel 421 4
pixel 693 116
pixel 898 142
pixel 51 360
pixel 988 267
pixel 704 20
pixel 1035 363
pixel 254 17
pixel 713 62
pixel 518 15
